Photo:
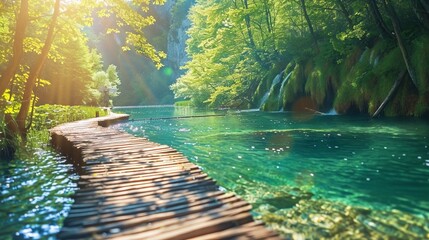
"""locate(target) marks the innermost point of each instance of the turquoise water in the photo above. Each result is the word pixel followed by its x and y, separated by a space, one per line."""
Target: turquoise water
pixel 274 160
pixel 35 195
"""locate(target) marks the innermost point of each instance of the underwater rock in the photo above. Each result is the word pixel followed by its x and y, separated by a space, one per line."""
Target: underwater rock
pixel 296 215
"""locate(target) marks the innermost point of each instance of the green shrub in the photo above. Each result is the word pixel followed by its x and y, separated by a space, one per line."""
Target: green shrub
pixel 48 116
pixel 184 103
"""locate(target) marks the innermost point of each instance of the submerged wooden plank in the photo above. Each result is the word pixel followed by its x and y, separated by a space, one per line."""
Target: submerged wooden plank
pixel 131 188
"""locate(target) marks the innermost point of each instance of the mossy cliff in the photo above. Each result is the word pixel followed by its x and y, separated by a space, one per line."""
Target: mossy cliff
pixel 357 84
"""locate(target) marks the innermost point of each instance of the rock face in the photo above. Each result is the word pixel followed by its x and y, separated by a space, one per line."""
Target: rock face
pixel 177 36
pixel 176 48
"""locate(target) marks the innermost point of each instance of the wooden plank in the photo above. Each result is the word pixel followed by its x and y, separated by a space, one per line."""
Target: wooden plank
pixel 147 201
pixel 135 165
pixel 139 185
pixel 90 182
pixel 130 178
pixel 132 149
pixel 136 173
pixel 100 158
pixel 143 219
pixel 205 223
pixel 138 181
pixel 85 206
pixel 95 217
pixel 146 188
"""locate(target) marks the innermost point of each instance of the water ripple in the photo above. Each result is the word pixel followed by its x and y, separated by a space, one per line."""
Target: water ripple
pixel 35 195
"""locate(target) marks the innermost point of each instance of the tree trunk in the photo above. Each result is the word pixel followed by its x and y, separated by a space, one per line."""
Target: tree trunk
pixel 392 91
pixel 421 12
pixel 382 27
pixel 310 25
pixel 397 28
pixel 35 71
pixel 268 17
pixel 248 27
pixel 345 12
pixel 252 43
pixel 21 25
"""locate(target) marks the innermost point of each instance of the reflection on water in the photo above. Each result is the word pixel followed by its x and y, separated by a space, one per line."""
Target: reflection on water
pixel 35 195
pixel 287 166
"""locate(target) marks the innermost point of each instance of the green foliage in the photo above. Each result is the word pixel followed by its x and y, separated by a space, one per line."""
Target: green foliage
pixel 71 66
pixel 103 87
pixel 48 116
pixel 420 58
pixel 70 76
pixel 8 143
pixel 295 86
pixel 236 47
pixel 316 86
pixel 184 103
pixel 225 66
pixel 371 78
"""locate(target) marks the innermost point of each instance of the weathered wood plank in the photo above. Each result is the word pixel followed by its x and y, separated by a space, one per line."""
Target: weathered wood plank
pixel 203 223
pixel 105 225
pixel 150 208
pixel 142 187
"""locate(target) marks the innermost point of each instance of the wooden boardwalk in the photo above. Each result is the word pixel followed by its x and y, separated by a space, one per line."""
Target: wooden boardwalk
pixel 131 188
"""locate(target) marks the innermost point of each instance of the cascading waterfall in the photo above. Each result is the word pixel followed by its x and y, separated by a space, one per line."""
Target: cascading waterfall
pixel 331 112
pixel 279 96
pixel 273 97
pixel 264 99
pixel 276 81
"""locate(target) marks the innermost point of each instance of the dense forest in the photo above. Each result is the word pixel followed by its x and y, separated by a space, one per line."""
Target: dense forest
pixel 46 55
pixel 355 56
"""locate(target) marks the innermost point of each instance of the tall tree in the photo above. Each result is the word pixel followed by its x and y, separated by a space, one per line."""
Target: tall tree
pixel 345 12
pixel 35 71
pixel 310 25
pixel 401 44
pixel 250 35
pixel 378 19
pixel 21 26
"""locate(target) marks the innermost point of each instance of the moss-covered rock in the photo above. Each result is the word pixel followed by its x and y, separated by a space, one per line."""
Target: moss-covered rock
pixel 359 83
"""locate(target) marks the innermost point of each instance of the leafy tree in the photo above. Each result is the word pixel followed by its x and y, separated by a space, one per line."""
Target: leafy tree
pixel 49 26
pixel 104 86
pixel 18 41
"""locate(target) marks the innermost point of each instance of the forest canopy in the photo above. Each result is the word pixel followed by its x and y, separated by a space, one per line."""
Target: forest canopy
pixel 45 55
pixel 351 55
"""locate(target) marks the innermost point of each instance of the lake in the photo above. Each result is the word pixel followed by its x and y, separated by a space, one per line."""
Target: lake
pixel 318 176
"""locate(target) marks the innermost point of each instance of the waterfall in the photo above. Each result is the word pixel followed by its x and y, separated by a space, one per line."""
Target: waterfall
pixel 271 89
pixel 279 96
pixel 331 112
pixel 264 99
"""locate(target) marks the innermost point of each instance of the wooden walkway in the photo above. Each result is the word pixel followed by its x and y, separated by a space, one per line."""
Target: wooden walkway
pixel 131 188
